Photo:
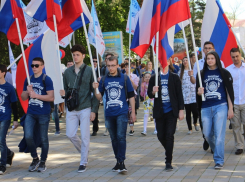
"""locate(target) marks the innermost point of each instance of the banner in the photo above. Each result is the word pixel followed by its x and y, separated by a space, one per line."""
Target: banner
pixel 179 50
pixel 14 67
pixel 114 44
pixel 134 9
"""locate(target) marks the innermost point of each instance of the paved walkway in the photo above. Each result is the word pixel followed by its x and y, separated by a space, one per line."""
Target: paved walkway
pixel 145 158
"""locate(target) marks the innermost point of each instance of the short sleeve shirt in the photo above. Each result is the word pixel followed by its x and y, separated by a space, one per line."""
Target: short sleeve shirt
pixel 36 106
pixel 114 88
pixel 7 96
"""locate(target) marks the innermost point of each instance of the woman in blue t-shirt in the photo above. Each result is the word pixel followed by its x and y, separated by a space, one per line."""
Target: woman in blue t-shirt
pixel 218 105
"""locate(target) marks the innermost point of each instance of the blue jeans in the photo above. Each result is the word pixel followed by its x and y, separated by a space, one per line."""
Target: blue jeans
pixel 56 117
pixel 214 126
pixel 43 124
pixel 4 126
pixel 117 127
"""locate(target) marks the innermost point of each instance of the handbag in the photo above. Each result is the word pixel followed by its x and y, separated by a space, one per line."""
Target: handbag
pixel 72 96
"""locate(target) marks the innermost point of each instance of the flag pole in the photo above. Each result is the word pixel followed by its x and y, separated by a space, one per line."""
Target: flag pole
pixel 89 50
pixel 186 45
pixel 129 54
pixel 156 63
pixel 238 40
pixel 71 48
pixel 22 49
pixel 14 62
pixel 57 47
pixel 198 68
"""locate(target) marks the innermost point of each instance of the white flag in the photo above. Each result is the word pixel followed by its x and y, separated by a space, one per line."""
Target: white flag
pixel 66 40
pixel 94 33
pixel 14 67
pixel 134 9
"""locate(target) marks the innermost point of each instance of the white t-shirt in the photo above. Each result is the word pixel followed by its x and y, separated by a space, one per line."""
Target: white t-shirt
pixel 188 89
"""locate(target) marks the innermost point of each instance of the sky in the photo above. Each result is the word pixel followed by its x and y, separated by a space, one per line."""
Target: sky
pixel 227 4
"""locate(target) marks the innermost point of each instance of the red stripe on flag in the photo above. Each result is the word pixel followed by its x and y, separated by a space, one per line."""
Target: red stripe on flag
pixel 12 34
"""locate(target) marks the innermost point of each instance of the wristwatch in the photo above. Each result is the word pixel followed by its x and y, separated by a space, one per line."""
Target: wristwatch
pixel 63 96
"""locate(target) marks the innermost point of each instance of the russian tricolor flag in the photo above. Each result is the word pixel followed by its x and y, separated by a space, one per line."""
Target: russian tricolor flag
pixel 217 29
pixel 43 10
pixel 71 21
pixel 158 15
pixel 9 10
pixel 45 48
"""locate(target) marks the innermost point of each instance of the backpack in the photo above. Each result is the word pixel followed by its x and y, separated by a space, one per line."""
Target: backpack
pixel 125 83
pixel 44 84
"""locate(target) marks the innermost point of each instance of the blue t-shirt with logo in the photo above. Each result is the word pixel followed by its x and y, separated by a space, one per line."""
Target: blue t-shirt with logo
pixel 114 88
pixel 36 106
pixel 214 89
pixel 165 94
pixel 7 96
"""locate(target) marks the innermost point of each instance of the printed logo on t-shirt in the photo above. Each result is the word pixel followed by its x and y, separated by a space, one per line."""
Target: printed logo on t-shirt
pixel 212 85
pixel 165 95
pixel 38 90
pixel 114 94
pixel 2 99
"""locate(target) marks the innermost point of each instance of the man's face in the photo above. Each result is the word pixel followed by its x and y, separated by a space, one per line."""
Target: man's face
pixel 37 67
pixel 207 48
pixel 95 63
pixel 2 74
pixel 236 57
pixel 78 57
pixel 112 66
pixel 69 64
pixel 193 59
pixel 149 65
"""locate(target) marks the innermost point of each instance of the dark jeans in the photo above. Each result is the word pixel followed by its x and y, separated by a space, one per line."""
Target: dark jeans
pixel 4 126
pixel 117 127
pixel 191 108
pixel 43 124
pixel 166 127
pixel 56 117
pixel 96 123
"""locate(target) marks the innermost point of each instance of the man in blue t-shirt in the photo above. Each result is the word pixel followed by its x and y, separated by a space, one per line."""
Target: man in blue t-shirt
pixel 8 99
pixel 40 93
pixel 118 90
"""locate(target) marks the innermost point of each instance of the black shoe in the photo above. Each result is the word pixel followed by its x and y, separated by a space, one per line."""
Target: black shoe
pixel 218 166
pixel 10 159
pixel 42 167
pixel 168 167
pixel 2 170
pixel 34 165
pixel 212 152
pixel 131 133
pixel 239 151
pixel 81 169
pixel 230 126
pixel 122 168
pixel 116 168
pixel 205 145
pixel 94 133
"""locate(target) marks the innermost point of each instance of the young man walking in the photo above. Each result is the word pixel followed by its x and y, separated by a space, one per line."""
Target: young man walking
pixel 40 93
pixel 8 103
pixel 237 70
pixel 167 108
pixel 79 78
pixel 118 90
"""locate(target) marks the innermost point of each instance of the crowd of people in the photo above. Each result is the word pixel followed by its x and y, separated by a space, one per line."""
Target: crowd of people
pixel 120 89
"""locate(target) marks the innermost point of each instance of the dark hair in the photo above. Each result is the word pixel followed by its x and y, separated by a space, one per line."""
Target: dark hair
pixel 142 65
pixel 133 63
pixel 208 42
pixel 3 69
pixel 171 66
pixel 182 69
pixel 191 55
pixel 70 61
pixel 122 65
pixel 38 59
pixel 94 57
pixel 78 48
pixel 112 58
pixel 125 64
pixel 218 63
pixel 109 54
pixel 127 59
pixel 235 50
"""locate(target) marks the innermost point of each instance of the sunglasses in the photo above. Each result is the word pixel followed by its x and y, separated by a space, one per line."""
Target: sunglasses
pixel 35 65
pixel 95 61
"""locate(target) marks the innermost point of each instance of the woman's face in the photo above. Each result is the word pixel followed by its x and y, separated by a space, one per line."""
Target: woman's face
pixel 211 61
pixel 149 65
pixel 147 78
pixel 185 62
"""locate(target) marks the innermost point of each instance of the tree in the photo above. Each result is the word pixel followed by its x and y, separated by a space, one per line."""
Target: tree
pixel 236 10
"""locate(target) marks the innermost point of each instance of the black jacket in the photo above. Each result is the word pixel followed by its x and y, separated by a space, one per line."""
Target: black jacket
pixel 175 94
pixel 228 83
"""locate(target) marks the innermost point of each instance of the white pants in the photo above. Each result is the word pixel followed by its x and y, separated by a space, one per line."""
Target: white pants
pixel 72 124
